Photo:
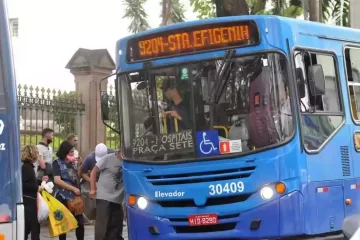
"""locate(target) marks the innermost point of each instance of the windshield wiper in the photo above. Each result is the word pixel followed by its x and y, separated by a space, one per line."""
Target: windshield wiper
pixel 220 83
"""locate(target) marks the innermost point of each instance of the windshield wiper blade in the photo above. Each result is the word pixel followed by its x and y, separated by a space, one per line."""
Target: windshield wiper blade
pixel 219 76
pixel 220 82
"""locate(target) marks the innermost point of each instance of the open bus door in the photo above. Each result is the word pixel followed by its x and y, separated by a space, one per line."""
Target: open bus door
pixel 11 208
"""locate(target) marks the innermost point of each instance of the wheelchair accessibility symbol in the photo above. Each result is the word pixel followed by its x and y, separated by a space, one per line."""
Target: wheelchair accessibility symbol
pixel 207 143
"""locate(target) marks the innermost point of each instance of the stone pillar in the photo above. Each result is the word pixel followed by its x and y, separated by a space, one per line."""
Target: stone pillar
pixel 354 14
pixel 88 68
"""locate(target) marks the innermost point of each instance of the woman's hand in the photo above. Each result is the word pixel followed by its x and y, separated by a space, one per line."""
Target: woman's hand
pixel 45 178
pixel 76 191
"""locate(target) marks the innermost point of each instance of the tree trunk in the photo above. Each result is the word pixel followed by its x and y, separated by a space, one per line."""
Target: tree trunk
pixel 166 12
pixel 226 8
pixel 314 10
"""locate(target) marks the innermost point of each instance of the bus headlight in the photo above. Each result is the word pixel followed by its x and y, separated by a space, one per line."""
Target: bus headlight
pixel 142 203
pixel 267 193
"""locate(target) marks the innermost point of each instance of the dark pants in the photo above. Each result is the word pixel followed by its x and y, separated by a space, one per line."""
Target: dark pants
pixel 31 223
pixel 109 220
pixel 80 230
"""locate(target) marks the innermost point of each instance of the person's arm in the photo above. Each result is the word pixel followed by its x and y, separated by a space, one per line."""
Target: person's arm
pixel 100 166
pixel 42 164
pixel 28 176
pixel 93 175
pixel 85 170
pixel 61 183
pixel 79 164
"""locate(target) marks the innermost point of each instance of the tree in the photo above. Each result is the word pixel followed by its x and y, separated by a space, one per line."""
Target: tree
pixel 220 8
pixel 172 11
pixel 338 11
pixel 314 10
pixel 284 8
pixel 135 11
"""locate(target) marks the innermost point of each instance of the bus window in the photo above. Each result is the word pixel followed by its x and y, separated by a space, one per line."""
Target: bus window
pixel 159 106
pixel 353 67
pixel 250 104
pixel 253 101
pixel 320 115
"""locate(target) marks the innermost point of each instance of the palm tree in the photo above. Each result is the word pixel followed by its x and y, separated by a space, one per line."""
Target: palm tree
pixel 172 11
pixel 337 11
pixel 207 8
pixel 314 10
pixel 134 10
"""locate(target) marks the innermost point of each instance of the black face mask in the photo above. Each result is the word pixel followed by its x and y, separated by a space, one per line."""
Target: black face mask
pixel 49 141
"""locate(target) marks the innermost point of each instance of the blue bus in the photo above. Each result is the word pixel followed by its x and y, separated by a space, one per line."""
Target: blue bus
pixel 241 127
pixel 11 209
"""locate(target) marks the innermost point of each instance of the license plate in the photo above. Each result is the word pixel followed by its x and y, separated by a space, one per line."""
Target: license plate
pixel 203 219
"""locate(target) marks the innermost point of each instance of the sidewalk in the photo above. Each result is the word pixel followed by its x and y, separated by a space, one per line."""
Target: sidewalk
pixel 89 233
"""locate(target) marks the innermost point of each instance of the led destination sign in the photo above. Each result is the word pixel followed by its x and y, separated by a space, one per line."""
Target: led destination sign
pixel 192 40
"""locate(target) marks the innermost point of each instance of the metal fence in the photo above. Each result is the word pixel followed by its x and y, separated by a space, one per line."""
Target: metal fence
pixel 112 137
pixel 41 108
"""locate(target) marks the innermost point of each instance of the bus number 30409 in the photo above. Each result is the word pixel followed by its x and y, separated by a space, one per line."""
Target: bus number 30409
pixel 232 187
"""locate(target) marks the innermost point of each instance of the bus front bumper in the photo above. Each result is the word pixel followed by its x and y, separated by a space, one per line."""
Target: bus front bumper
pixel 142 225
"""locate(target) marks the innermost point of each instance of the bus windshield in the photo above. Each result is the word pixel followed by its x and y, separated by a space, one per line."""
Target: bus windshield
pixel 206 109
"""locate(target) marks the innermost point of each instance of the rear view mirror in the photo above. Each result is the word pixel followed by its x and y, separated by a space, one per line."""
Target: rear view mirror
pixel 108 104
pixel 351 227
pixel 105 106
pixel 316 80
pixel 300 79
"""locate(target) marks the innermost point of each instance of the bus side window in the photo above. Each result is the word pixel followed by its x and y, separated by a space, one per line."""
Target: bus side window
pixel 353 78
pixel 330 101
pixel 320 116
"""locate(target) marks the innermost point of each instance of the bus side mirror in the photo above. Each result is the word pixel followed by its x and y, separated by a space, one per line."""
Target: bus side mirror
pixel 300 82
pixel 351 227
pixel 316 80
pixel 105 106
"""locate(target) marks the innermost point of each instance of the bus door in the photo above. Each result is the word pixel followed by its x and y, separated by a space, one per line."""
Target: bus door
pixel 11 208
pixel 352 66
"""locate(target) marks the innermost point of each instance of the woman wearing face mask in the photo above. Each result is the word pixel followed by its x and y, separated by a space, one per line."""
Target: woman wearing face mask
pixel 67 183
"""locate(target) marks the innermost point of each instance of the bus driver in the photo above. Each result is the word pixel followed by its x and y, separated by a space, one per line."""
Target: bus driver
pixel 178 107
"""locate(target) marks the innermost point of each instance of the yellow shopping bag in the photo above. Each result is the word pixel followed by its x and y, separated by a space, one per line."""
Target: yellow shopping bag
pixel 61 219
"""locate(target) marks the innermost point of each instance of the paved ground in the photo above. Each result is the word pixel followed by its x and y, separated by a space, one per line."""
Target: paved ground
pixel 89 233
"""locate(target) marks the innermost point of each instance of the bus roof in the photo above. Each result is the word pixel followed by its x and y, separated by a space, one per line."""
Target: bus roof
pixel 308 27
pixel 290 25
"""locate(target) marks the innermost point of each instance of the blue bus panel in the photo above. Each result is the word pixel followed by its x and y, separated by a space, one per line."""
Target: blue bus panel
pixel 11 208
pixel 303 186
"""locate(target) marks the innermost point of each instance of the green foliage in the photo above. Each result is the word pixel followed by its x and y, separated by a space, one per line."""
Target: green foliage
pixel 204 8
pixel 135 11
pixel 64 111
pixel 292 8
pixel 283 8
pixel 332 11
pixel 177 12
pixel 256 6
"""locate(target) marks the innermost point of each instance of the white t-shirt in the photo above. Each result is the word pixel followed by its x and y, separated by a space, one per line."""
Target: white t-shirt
pixel 45 152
